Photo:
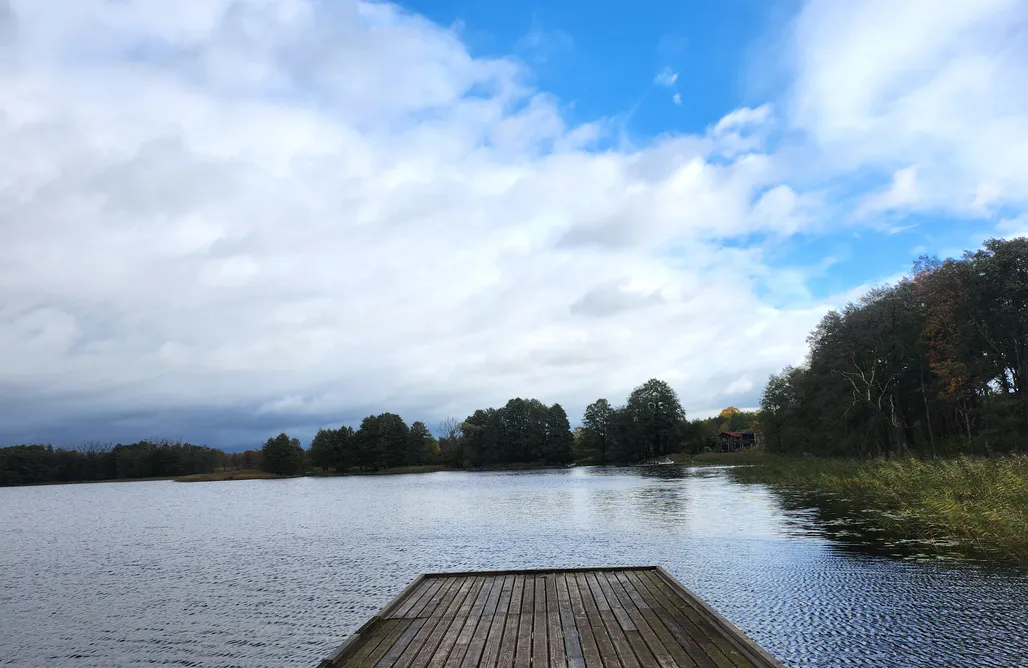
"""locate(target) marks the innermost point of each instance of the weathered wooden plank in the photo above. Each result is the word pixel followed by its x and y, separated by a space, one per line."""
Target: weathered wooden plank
pixel 662 644
pixel 540 652
pixel 586 632
pixel 523 649
pixel 624 619
pixel 476 645
pixel 371 641
pixel 433 616
pixel 715 636
pixel 446 645
pixel 601 614
pixel 699 646
pixel 471 620
pixel 523 645
pixel 412 599
pixel 401 643
pixel 640 636
pixel 418 609
pixel 462 587
pixel 508 646
pixel 491 651
pixel 398 627
pixel 577 618
pixel 554 629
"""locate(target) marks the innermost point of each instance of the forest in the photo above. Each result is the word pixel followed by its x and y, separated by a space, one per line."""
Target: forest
pixel 935 365
pixel 33 464
pixel 651 424
pixel 521 433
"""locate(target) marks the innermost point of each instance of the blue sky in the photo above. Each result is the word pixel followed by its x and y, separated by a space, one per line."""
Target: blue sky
pixel 232 219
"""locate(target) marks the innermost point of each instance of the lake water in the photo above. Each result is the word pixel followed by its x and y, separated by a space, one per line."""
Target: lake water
pixel 279 572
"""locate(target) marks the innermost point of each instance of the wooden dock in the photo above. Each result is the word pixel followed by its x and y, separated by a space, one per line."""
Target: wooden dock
pixel 638 617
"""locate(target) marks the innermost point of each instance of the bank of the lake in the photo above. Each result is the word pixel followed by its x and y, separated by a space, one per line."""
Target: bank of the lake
pixel 981 502
pixel 219 476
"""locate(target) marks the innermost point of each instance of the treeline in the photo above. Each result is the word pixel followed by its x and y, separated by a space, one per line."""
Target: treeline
pixel 935 365
pixel 524 431
pixel 381 442
pixel 33 464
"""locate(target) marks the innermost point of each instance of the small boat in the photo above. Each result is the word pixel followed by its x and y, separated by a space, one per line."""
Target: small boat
pixel 666 461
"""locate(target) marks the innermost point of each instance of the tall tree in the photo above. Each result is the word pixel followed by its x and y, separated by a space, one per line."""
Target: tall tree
pixel 559 441
pixel 597 425
pixel 322 451
pixel 282 455
pixel 422 448
pixel 656 416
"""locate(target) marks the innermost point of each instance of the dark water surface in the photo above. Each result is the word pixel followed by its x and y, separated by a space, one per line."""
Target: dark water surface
pixel 278 572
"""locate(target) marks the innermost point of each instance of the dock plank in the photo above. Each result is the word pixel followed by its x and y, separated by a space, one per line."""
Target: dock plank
pixel 433 616
pixel 619 637
pixel 662 644
pixel 523 647
pixel 634 617
pixel 540 653
pixel 586 634
pixel 508 646
pixel 688 635
pixel 471 623
pixel 491 651
pixel 449 639
pixel 486 616
pixel 706 628
pixel 446 619
pixel 397 627
pixel 558 657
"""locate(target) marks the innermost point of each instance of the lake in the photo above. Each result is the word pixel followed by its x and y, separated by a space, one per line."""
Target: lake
pixel 279 572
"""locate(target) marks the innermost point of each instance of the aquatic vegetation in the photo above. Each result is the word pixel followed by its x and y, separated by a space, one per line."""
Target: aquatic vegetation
pixel 980 501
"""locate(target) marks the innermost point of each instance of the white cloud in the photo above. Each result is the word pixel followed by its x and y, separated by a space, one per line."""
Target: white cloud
pixel 298 209
pixel 902 191
pixel 740 385
pixel 743 118
pixel 666 77
pixel 925 87
pixel 676 98
pixel 1010 228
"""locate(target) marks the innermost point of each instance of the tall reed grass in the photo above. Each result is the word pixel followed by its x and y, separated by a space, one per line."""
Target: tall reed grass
pixel 981 501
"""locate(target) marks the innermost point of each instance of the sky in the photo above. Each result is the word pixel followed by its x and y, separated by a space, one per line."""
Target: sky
pixel 221 219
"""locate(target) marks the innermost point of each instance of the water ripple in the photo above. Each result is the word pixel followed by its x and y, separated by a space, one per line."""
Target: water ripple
pixel 277 573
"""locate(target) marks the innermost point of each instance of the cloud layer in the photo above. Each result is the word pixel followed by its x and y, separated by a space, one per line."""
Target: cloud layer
pixel 240 217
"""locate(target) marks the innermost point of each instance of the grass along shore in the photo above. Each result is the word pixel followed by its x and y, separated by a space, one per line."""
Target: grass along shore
pixel 980 501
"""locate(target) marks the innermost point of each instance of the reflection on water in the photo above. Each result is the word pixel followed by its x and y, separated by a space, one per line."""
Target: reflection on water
pixel 276 573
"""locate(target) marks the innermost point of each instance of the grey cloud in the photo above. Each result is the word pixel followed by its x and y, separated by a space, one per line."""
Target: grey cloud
pixel 611 298
pixel 8 23
pixel 612 234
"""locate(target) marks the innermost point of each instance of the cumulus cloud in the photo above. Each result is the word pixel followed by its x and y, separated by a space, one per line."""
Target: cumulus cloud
pixel 240 217
pixel 743 118
pixel 902 191
pixel 295 211
pixel 925 87
pixel 666 77
pixel 676 98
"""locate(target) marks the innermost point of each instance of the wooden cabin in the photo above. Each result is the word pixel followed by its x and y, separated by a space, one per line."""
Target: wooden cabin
pixel 735 441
